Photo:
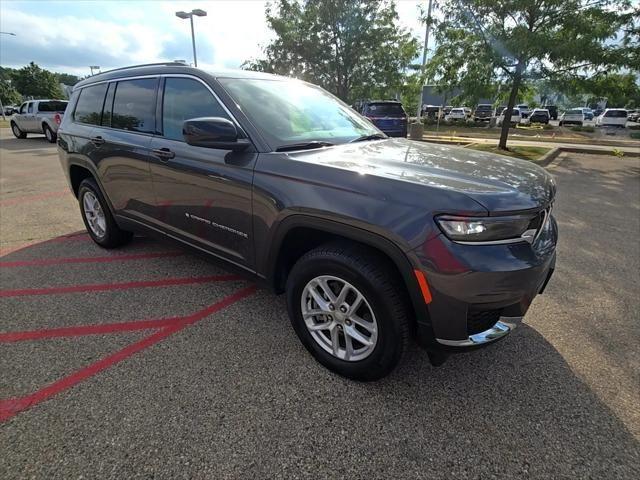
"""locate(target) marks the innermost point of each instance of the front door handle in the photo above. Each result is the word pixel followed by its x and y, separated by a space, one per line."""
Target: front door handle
pixel 163 153
pixel 97 141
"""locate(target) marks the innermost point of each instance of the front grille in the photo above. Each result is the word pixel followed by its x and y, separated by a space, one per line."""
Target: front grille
pixel 481 320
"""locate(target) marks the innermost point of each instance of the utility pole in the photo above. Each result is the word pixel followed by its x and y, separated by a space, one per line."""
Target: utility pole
pixel 424 54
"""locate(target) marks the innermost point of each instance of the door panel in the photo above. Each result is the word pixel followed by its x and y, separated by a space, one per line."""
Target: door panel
pixel 202 194
pixel 124 137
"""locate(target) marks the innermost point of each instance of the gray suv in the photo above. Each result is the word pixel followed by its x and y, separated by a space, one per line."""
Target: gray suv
pixel 375 241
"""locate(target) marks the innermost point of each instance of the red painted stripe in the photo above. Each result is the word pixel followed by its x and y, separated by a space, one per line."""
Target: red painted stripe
pixel 110 258
pixel 117 286
pixel 33 198
pixel 13 406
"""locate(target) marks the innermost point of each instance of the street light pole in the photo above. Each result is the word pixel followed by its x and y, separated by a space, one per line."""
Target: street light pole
pixel 193 43
pixel 184 15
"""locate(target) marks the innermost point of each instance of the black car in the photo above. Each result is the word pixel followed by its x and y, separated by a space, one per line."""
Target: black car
pixel 483 112
pixel 376 241
pixel 539 115
pixel 388 116
pixel 553 111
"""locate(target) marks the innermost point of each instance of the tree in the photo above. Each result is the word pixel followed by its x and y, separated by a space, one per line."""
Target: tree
pixel 484 44
pixel 355 50
pixel 67 79
pixel 33 81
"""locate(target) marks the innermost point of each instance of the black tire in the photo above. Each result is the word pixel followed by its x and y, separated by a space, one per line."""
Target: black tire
pixel 380 286
pixel 113 236
pixel 49 134
pixel 17 132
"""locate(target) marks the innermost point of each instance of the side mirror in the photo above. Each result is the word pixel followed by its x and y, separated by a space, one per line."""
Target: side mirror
pixel 213 132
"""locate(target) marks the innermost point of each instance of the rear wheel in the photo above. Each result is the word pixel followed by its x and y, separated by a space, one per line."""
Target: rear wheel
pixel 17 132
pixel 50 134
pixel 97 217
pixel 348 310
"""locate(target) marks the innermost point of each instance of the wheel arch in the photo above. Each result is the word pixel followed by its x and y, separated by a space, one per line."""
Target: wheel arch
pixel 78 171
pixel 298 234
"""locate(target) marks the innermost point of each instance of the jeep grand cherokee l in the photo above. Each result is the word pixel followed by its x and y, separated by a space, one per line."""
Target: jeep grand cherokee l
pixel 375 240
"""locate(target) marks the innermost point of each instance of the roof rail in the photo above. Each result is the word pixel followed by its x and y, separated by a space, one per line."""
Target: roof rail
pixel 180 64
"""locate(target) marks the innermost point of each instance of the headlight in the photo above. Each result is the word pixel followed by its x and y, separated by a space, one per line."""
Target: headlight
pixel 511 229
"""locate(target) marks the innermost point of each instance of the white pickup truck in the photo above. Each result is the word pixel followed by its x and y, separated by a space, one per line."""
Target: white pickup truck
pixel 38 116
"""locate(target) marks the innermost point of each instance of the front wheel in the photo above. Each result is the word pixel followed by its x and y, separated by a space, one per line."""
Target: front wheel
pixel 97 217
pixel 349 311
pixel 17 132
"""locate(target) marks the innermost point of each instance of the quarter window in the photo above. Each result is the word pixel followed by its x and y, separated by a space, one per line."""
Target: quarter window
pixel 134 105
pixel 184 99
pixel 89 107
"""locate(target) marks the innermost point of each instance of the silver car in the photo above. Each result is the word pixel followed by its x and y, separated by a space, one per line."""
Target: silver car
pixel 39 116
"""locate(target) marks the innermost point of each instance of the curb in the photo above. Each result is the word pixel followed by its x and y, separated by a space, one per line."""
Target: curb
pixel 550 156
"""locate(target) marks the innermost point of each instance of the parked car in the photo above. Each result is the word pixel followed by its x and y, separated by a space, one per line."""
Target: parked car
pixel 10 109
pixel 539 115
pixel 39 116
pixel 447 109
pixel 376 241
pixel 516 117
pixel 456 115
pixel 483 112
pixel 597 112
pixel 524 110
pixel 588 113
pixel 612 117
pixel 432 111
pixel 388 116
pixel 574 116
pixel 553 111
pixel 633 115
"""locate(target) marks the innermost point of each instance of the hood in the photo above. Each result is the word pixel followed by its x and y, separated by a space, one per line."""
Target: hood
pixel 498 183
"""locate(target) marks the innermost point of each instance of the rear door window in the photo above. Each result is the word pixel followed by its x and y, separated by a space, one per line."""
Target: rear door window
pixel 89 107
pixel 183 99
pixel 23 108
pixel 30 107
pixel 134 105
pixel 53 106
pixel 616 114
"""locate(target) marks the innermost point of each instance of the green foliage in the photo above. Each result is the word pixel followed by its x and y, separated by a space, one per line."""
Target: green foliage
pixel 356 50
pixel 498 47
pixel 635 135
pixel 583 128
pixel 67 79
pixel 33 81
pixel 8 94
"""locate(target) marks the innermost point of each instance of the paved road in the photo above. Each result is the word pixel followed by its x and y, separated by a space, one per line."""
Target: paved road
pixel 217 386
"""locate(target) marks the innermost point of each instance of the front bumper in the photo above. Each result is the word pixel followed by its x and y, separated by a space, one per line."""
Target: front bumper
pixel 480 293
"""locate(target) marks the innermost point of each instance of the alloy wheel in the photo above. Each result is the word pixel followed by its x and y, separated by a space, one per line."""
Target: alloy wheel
pixel 339 318
pixel 94 214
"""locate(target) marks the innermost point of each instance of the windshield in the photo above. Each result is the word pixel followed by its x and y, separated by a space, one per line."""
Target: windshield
pixel 290 111
pixel 384 109
pixel 483 107
pixel 575 111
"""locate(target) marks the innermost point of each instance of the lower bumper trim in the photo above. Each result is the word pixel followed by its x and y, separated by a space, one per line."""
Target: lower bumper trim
pixel 503 327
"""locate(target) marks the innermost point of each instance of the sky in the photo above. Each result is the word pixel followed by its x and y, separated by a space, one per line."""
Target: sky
pixel 68 36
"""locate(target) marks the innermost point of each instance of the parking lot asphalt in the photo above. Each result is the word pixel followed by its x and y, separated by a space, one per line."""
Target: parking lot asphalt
pixel 151 362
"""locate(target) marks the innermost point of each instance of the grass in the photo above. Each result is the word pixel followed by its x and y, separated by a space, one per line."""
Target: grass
pixel 4 123
pixel 524 152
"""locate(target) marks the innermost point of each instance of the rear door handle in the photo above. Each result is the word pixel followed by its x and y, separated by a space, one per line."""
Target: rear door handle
pixel 97 141
pixel 163 153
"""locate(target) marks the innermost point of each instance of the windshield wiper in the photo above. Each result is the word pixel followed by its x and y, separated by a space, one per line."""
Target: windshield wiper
pixel 364 138
pixel 303 146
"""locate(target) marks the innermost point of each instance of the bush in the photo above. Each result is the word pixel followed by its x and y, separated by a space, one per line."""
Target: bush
pixel 548 127
pixel 635 135
pixel 583 128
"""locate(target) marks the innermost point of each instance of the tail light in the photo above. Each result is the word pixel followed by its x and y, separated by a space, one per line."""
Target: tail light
pixel 57 118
